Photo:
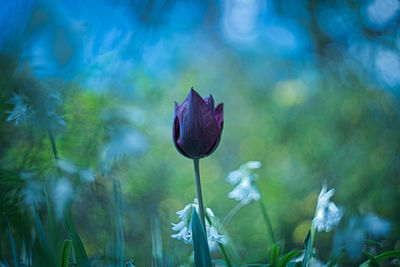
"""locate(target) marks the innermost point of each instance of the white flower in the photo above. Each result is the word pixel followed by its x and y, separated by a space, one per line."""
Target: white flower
pixel 86 175
pixel 245 191
pixel 184 226
pixel 32 193
pixel 42 111
pixel 22 109
pixel 62 193
pixel 327 214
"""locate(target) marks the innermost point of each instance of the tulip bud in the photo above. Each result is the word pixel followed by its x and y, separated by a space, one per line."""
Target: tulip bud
pixel 197 126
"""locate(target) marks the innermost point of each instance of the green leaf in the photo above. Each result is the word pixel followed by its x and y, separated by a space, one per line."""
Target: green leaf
pixel 388 254
pixel 274 255
pixel 13 246
pixel 334 261
pixel 372 259
pixel 65 253
pixel 373 242
pixel 202 256
pixel 307 242
pixel 82 259
pixel 284 260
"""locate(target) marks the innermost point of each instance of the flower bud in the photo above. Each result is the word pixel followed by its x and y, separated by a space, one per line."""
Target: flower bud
pixel 197 126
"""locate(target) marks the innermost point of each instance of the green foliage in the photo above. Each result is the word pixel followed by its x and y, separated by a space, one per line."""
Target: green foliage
pixel 79 250
pixel 202 256
pixel 65 253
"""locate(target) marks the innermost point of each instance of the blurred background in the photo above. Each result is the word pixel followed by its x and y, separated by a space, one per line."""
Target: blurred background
pixel 310 89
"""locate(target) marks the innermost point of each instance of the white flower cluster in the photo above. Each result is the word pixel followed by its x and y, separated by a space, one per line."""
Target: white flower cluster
pixel 245 191
pixel 43 114
pixel 327 214
pixel 184 228
pixel 22 109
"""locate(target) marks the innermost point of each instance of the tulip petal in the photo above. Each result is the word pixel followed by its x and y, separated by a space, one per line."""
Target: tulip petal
pixel 210 101
pixel 198 129
pixel 175 136
pixel 177 106
pixel 219 115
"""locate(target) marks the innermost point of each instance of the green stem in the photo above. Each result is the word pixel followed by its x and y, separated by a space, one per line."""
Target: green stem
pixel 309 248
pixel 221 247
pixel 267 220
pixel 199 194
pixel 53 144
pixel 230 215
pixel 227 261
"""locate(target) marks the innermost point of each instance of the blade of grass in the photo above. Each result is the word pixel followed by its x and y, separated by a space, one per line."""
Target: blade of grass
pixel 274 255
pixel 388 254
pixel 12 242
pixel 82 259
pixel 284 260
pixel 307 242
pixel 372 259
pixel 221 246
pixel 39 228
pixel 202 257
pixel 119 229
pixel 65 253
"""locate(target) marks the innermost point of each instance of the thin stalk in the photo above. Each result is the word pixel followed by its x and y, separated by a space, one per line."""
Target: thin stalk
pixel 230 215
pixel 309 249
pixel 221 247
pixel 227 261
pixel 199 194
pixel 53 144
pixel 267 220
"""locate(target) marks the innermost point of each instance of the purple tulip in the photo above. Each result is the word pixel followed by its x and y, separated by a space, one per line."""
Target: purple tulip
pixel 197 126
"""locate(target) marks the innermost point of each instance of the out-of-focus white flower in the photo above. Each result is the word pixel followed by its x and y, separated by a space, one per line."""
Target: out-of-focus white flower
pixel 42 111
pixel 22 108
pixel 184 228
pixel 32 193
pixel 86 175
pixel 62 193
pixel 245 191
pixel 327 214
pixel 376 226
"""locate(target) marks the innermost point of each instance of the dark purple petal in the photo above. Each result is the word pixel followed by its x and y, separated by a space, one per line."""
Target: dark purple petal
pixel 219 115
pixel 210 102
pixel 175 135
pixel 177 106
pixel 198 129
pixel 212 149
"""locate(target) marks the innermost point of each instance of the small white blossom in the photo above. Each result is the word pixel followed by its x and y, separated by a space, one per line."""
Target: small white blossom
pixel 184 228
pixel 327 214
pixel 244 191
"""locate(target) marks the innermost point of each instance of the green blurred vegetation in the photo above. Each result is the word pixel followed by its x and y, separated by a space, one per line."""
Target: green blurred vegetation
pixel 303 128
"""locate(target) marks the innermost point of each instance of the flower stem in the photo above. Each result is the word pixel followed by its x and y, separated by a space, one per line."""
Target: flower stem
pixel 221 247
pixel 309 248
pixel 267 220
pixel 53 144
pixel 199 194
pixel 230 215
